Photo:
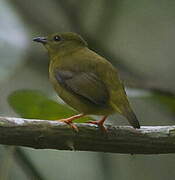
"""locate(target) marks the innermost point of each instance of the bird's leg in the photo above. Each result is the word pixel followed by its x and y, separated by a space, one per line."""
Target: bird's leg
pixel 70 119
pixel 100 123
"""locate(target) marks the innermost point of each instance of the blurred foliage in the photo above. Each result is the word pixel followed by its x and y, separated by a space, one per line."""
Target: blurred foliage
pixel 165 99
pixel 34 104
pixel 168 101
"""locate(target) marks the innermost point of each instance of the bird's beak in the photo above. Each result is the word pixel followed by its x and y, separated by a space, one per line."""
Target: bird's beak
pixel 42 40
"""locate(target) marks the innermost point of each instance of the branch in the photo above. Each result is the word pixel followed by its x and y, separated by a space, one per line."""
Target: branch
pixel 43 134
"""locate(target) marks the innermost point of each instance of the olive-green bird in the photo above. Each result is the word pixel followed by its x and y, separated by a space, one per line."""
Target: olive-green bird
pixel 85 80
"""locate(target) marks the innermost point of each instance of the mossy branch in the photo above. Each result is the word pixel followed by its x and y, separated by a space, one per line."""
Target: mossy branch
pixel 43 134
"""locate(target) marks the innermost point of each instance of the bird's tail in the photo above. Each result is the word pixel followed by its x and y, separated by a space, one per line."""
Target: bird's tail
pixel 129 114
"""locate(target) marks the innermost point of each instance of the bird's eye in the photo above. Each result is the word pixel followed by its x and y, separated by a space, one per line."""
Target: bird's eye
pixel 57 38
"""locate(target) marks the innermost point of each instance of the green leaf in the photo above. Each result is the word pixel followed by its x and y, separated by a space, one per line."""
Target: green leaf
pixel 33 104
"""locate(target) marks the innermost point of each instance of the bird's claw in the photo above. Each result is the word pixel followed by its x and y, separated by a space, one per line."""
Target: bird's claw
pixel 99 124
pixel 70 123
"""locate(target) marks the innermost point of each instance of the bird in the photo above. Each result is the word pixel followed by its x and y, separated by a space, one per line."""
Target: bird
pixel 84 80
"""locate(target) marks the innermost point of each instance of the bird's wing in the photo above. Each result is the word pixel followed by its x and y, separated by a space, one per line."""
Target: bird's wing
pixel 84 84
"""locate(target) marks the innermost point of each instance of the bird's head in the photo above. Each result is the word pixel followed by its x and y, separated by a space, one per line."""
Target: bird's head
pixel 61 41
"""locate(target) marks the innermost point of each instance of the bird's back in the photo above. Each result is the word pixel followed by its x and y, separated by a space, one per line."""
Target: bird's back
pixel 93 84
pixel 77 81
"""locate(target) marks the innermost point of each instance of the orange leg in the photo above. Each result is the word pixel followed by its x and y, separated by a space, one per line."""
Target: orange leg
pixel 100 123
pixel 70 119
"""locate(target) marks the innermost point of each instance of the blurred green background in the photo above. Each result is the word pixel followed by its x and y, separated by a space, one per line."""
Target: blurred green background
pixel 136 36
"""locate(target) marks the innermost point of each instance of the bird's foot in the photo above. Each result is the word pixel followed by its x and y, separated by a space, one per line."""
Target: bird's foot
pixel 70 119
pixel 99 124
pixel 70 123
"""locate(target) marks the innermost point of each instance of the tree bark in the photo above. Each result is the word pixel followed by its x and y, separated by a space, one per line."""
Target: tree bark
pixel 44 134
